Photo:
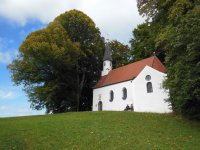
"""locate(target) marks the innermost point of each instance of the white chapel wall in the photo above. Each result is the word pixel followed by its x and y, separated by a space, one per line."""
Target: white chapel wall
pixel 150 102
pixel 118 104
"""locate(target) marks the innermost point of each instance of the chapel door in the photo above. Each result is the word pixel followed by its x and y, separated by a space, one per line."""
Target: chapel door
pixel 100 106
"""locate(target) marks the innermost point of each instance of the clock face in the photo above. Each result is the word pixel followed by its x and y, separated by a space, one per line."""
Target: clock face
pixel 148 77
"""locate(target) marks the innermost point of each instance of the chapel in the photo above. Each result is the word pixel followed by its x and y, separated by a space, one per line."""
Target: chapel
pixel 139 83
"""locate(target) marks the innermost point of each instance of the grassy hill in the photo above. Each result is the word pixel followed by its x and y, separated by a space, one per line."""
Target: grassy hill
pixel 99 130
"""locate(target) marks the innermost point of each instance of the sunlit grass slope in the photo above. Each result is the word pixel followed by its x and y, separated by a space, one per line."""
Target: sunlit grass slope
pixel 99 130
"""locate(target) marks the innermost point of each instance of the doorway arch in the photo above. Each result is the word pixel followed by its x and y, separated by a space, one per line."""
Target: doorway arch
pixel 100 106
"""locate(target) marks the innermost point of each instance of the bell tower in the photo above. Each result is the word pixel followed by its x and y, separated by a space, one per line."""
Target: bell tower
pixel 107 60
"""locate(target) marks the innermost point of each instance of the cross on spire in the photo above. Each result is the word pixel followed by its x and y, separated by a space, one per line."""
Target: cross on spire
pixel 107 37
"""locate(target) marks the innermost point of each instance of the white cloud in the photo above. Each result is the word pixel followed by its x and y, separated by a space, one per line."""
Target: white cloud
pixel 115 17
pixel 22 10
pixel 4 108
pixel 24 111
pixel 5 57
pixel 11 41
pixel 16 53
pixel 8 95
pixel 6 54
pixel 2 94
pixel 3 43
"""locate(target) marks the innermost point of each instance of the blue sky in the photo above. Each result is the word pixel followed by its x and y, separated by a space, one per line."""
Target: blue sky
pixel 18 18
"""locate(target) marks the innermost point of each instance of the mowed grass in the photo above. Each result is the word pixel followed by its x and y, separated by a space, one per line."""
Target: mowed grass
pixel 99 130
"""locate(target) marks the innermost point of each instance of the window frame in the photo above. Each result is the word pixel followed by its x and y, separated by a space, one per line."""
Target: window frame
pixel 148 77
pixel 124 93
pixel 149 87
pixel 111 96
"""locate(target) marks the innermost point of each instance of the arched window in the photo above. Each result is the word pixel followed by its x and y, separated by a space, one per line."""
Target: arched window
pixel 111 96
pixel 124 93
pixel 149 87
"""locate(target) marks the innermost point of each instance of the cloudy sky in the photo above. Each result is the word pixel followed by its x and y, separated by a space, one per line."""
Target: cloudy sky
pixel 18 18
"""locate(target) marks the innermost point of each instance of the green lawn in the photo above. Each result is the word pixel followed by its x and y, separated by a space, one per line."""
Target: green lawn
pixel 99 130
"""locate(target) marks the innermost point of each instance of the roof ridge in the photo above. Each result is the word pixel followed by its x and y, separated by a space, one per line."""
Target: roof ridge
pixel 132 63
pixel 153 61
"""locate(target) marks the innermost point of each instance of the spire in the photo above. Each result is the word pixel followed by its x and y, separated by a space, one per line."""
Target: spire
pixel 107 54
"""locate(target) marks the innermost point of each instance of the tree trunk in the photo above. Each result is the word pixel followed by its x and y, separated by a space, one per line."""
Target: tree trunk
pixel 77 88
pixel 80 85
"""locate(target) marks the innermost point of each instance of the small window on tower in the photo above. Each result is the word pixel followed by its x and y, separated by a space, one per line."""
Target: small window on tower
pixel 104 64
pixel 110 64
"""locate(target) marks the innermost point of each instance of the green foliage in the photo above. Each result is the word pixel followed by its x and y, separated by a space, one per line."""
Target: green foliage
pixel 59 64
pixel 175 29
pixel 143 43
pixel 157 11
pixel 183 56
pixel 81 29
pixel 120 54
pixel 139 43
pixel 79 26
pixel 99 130
pixel 45 65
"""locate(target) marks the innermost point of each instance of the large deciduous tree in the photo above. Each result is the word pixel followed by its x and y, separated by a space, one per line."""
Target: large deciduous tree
pixel 45 66
pixel 59 65
pixel 82 29
pixel 176 24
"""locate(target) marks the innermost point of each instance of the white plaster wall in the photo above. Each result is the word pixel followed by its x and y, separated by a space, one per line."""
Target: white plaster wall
pixel 118 104
pixel 149 102
pixel 107 67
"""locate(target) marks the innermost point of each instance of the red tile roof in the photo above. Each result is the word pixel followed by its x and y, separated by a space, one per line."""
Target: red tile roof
pixel 130 71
